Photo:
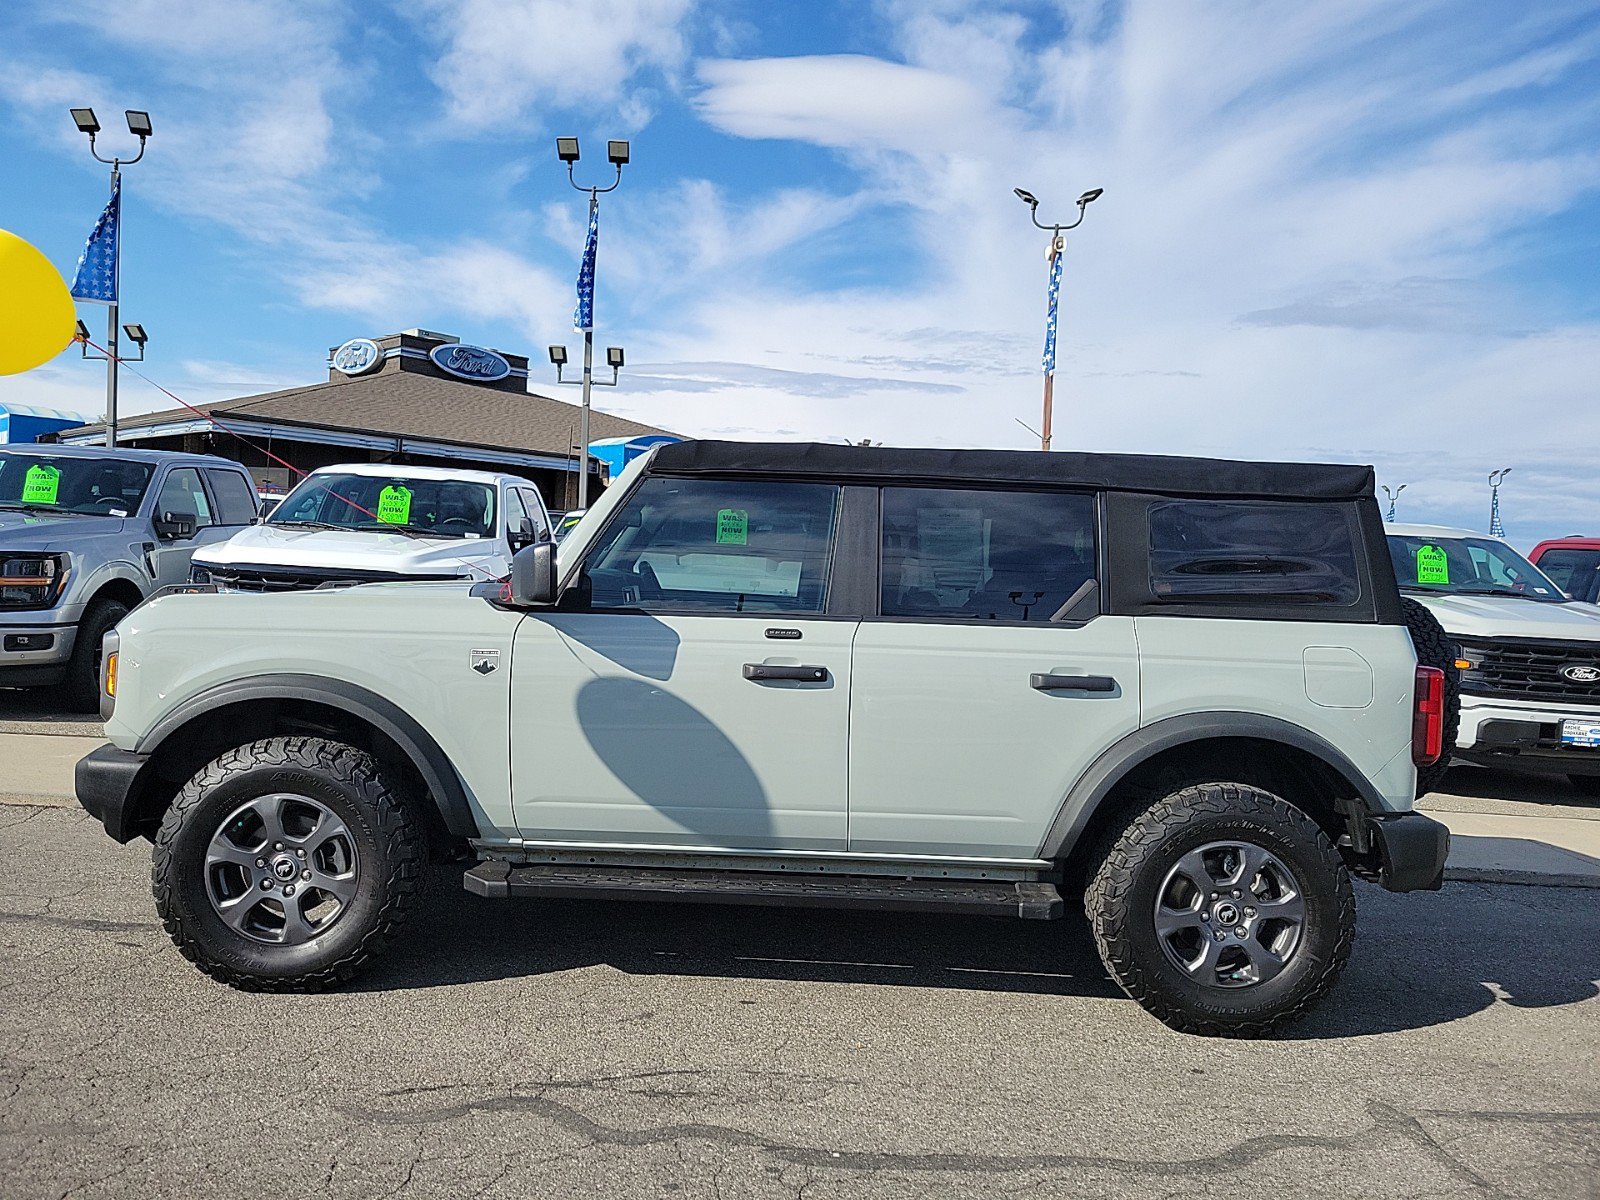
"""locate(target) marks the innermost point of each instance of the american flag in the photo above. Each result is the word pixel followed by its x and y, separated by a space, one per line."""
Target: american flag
pixel 1050 324
pixel 583 316
pixel 96 280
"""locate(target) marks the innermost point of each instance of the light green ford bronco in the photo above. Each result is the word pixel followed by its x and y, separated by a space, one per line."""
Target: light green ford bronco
pixel 943 681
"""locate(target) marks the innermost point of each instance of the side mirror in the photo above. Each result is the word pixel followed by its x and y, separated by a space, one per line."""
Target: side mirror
pixel 533 576
pixel 527 535
pixel 174 526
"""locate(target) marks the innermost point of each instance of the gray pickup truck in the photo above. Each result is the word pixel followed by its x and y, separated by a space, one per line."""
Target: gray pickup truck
pixel 86 533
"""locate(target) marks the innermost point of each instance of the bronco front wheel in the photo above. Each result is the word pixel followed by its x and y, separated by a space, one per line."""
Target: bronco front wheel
pixel 286 864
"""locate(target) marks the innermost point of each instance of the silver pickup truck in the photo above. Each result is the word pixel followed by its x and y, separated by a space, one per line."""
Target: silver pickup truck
pixel 86 534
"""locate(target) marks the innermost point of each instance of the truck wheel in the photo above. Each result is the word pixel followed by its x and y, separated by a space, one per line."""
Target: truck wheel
pixel 285 865
pixel 1436 648
pixel 1223 910
pixel 82 688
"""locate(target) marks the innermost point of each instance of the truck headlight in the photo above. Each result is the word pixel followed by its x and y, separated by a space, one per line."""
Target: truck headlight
pixel 198 574
pixel 31 580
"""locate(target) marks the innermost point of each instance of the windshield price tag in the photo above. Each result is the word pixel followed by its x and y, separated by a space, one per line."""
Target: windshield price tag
pixel 394 505
pixel 1432 565
pixel 733 527
pixel 40 485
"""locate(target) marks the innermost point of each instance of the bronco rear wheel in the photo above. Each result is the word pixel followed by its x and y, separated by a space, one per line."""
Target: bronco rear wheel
pixel 1223 910
pixel 286 864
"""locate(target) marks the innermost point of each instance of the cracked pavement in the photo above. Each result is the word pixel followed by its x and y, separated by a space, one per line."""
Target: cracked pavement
pixel 586 1049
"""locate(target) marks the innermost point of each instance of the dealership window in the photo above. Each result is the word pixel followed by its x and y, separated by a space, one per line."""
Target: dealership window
pixel 1243 552
pixel 985 555
pixel 716 547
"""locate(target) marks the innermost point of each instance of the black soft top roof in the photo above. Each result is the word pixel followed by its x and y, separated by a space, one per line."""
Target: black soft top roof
pixel 1160 474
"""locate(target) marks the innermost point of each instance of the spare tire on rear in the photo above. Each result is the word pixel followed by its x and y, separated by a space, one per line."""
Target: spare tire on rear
pixel 1436 648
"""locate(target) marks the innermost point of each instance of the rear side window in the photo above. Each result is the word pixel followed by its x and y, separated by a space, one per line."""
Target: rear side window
pixel 692 545
pixel 984 555
pixel 236 499
pixel 1244 552
pixel 1576 572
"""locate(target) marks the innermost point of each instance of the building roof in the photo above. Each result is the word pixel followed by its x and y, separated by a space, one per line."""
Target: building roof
pixel 410 404
pixel 1158 474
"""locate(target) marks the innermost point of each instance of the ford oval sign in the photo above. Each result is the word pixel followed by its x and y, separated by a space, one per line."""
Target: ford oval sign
pixel 1580 674
pixel 472 363
pixel 357 357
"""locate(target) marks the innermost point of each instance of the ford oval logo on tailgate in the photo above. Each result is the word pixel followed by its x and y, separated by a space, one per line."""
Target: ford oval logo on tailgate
pixel 1581 674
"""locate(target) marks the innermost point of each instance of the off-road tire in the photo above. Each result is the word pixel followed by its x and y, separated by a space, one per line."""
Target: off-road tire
pixel 389 846
pixel 1121 896
pixel 81 689
pixel 1436 648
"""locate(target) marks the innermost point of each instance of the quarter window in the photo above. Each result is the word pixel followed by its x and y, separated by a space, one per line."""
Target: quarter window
pixel 1241 552
pixel 716 547
pixel 984 555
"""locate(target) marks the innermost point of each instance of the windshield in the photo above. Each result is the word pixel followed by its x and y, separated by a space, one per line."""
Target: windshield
pixel 43 482
pixel 1467 567
pixel 432 507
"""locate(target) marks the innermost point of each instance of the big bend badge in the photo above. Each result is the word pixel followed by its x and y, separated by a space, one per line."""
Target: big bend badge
pixel 484 662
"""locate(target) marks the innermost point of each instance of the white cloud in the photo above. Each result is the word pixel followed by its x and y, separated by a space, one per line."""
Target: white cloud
pixel 501 59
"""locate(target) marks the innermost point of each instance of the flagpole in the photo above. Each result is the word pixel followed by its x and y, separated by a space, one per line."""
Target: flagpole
pixel 111 320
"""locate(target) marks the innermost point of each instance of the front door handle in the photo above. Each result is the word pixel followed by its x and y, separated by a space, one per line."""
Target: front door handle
pixel 762 672
pixel 1072 683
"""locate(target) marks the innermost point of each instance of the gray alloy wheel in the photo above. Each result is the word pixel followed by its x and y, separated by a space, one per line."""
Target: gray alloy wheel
pixel 1230 914
pixel 281 869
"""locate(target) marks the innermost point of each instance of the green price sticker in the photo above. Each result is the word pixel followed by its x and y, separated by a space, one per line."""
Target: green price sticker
pixel 40 485
pixel 733 527
pixel 394 505
pixel 1432 565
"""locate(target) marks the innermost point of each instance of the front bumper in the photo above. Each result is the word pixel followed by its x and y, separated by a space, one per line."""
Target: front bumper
pixel 34 648
pixel 108 781
pixel 1411 851
pixel 1523 737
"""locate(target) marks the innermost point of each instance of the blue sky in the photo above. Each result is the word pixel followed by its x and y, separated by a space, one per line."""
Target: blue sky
pixel 1352 230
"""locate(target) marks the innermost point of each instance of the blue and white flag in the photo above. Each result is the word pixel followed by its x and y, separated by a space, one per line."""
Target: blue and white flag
pixel 96 280
pixel 583 316
pixel 1050 323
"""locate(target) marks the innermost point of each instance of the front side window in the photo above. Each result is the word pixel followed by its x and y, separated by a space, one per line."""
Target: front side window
pixel 182 492
pixel 1252 551
pixel 41 482
pixel 1576 572
pixel 442 508
pixel 1467 567
pixel 691 545
pixel 984 555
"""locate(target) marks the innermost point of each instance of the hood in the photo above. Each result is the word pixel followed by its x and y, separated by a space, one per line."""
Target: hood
pixel 353 550
pixel 52 531
pixel 1507 616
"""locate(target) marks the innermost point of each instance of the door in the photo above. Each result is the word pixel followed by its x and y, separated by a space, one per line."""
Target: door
pixel 182 492
pixel 990 681
pixel 691 690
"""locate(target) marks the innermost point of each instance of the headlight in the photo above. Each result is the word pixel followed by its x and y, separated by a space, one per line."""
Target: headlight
pixel 31 580
pixel 198 574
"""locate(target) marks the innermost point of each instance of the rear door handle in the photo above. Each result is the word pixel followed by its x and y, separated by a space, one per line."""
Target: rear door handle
pixel 761 672
pixel 1072 683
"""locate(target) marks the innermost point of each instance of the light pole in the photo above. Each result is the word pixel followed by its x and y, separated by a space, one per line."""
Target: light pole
pixel 1393 496
pixel 567 152
pixel 615 359
pixel 1495 479
pixel 139 126
pixel 1053 257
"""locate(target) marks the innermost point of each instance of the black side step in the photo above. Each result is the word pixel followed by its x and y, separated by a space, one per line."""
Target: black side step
pixel 1031 901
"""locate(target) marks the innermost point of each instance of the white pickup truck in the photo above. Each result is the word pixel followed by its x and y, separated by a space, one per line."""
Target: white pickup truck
pixel 369 523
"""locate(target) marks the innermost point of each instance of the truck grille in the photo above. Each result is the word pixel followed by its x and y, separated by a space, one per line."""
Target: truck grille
pixel 1528 669
pixel 273 579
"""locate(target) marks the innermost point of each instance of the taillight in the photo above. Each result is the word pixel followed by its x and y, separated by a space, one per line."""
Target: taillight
pixel 1427 721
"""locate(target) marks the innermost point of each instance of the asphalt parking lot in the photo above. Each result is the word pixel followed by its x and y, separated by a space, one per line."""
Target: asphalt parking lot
pixel 587 1049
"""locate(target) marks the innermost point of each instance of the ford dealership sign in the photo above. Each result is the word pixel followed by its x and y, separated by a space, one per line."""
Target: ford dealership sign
pixel 472 363
pixel 357 357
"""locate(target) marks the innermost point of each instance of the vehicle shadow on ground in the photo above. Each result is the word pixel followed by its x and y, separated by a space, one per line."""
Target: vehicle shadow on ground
pixel 1421 960
pixel 1493 783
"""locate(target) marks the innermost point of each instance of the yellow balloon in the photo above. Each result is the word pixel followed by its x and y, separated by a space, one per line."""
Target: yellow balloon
pixel 37 319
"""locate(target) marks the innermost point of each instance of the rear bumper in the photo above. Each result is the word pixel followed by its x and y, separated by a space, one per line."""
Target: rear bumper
pixel 107 781
pixel 1411 851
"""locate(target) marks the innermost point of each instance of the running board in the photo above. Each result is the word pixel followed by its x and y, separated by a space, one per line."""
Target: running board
pixel 1030 901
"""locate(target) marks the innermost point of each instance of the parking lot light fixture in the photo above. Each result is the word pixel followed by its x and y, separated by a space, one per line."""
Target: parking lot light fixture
pixel 617 152
pixel 614 357
pixel 86 121
pixel 138 123
pixel 1393 496
pixel 136 333
pixel 567 149
pixel 1496 478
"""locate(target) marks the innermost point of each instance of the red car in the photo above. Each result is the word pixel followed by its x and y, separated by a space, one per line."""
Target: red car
pixel 1573 563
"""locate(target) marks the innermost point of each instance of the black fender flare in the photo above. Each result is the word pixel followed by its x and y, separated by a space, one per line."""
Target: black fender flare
pixel 399 726
pixel 1103 775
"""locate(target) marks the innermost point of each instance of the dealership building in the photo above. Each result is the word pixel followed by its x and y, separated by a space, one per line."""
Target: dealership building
pixel 415 397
